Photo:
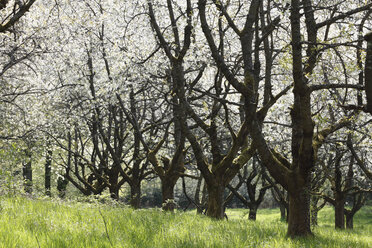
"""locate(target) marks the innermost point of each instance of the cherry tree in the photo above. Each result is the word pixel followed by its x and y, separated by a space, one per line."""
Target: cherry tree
pixel 293 174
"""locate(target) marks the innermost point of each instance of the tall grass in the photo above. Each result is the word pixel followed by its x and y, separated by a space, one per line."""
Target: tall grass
pixel 44 223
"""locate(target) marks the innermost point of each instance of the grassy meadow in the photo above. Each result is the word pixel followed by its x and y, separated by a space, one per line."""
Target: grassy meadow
pixel 53 223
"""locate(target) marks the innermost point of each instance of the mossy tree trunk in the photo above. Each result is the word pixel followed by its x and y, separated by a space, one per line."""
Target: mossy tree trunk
pixel 299 212
pixel 167 192
pixel 216 200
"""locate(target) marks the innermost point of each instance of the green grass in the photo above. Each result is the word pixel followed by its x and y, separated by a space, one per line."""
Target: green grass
pixel 44 223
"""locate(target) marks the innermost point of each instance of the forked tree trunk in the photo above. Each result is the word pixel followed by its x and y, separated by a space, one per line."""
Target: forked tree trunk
pixel 299 213
pixel 215 201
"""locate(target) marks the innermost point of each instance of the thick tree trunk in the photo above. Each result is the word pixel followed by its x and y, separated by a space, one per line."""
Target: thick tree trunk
pixel 48 172
pixel 114 189
pixel 135 196
pixel 253 212
pixel 114 192
pixel 339 214
pixel 299 213
pixel 215 201
pixel 167 191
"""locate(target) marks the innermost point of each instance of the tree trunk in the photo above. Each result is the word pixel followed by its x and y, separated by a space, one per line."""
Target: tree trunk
pixel 48 170
pixel 167 191
pixel 349 221
pixel 204 199
pixel 314 210
pixel 283 212
pixel 27 174
pixel 253 212
pixel 135 196
pixel 339 214
pixel 114 192
pixel 314 217
pixel 197 194
pixel 113 179
pixel 61 186
pixel 299 213
pixel 368 72
pixel 215 201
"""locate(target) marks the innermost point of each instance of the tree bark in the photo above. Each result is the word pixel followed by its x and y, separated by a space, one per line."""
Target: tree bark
pixel 197 194
pixel 368 72
pixel 135 196
pixel 48 171
pixel 339 214
pixel 299 213
pixel 252 212
pixel 215 201
pixel 349 221
pixel 27 173
pixel 283 214
pixel 114 192
pixel 314 218
pixel 167 191
pixel 113 180
pixel 204 199
pixel 313 211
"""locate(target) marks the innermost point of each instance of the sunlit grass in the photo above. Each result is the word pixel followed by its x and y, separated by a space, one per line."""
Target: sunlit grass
pixel 45 223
